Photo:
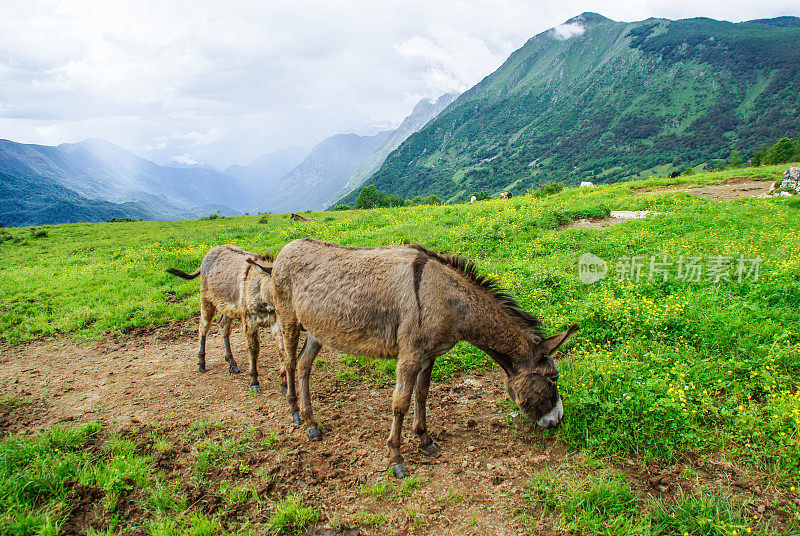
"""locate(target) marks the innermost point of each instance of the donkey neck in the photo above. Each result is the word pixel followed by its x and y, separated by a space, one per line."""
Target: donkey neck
pixel 498 333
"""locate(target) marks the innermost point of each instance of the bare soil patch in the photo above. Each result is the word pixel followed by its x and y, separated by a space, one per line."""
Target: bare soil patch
pixel 148 379
pixel 615 217
pixel 733 188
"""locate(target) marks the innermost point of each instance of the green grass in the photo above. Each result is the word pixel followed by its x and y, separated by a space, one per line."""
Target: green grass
pixel 370 519
pixel 40 473
pixel 291 516
pixel 604 504
pixel 657 371
pixel 388 486
pixel 214 454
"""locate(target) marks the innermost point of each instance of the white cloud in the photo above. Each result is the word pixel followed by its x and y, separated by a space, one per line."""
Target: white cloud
pixel 563 32
pixel 183 159
pixel 228 84
pixel 46 131
pixel 193 138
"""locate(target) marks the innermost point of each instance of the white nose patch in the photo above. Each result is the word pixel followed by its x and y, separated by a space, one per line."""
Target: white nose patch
pixel 553 417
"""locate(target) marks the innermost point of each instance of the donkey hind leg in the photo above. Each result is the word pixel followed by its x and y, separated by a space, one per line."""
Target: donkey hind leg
pixel 408 367
pixel 291 334
pixel 253 348
pixel 276 334
pixel 426 443
pixel 307 356
pixel 207 310
pixel 225 325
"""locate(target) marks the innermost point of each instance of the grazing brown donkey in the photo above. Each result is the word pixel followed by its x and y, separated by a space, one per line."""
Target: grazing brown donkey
pixel 414 304
pixel 237 289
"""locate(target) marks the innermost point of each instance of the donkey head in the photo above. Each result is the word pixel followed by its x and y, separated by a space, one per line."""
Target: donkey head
pixel 533 382
pixel 266 298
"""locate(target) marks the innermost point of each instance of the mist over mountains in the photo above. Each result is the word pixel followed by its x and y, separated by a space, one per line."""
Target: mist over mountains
pixel 95 180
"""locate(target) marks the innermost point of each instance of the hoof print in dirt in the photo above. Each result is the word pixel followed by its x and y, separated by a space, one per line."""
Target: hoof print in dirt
pixel 314 434
pixel 255 388
pixel 296 417
pixel 399 470
pixel 431 449
pixel 234 369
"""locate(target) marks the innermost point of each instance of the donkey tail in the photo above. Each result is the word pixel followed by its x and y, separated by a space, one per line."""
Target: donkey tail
pixel 184 275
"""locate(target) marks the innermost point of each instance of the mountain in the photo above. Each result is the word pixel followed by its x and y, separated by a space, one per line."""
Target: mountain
pixel 102 175
pixel 265 173
pixel 321 174
pixel 600 100
pixel 423 112
pixel 38 200
pixel 341 163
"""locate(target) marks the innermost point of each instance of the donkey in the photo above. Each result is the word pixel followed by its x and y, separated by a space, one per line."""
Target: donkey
pixel 230 285
pixel 413 304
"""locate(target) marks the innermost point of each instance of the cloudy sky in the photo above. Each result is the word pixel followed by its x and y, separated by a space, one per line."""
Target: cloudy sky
pixel 224 82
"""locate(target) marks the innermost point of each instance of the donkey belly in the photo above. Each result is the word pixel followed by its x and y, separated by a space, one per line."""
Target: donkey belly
pixel 361 340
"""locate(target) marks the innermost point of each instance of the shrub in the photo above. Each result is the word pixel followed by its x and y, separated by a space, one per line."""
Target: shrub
pixel 548 189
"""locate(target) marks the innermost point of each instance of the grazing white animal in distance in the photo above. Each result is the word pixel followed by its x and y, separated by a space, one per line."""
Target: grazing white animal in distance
pixel 585 184
pixel 473 199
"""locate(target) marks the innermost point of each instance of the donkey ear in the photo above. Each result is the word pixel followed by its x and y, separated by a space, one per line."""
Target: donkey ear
pixel 551 344
pixel 265 269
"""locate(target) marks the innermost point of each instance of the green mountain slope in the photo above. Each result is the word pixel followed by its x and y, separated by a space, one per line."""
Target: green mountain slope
pixel 599 100
pixel 37 200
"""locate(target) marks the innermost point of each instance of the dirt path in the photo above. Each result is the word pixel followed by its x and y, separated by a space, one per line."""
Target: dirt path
pixel 149 378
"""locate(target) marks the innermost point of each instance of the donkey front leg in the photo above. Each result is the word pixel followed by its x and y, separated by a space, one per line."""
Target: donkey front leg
pixel 426 444
pixel 407 370
pixel 307 357
pixel 253 347
pixel 207 310
pixel 225 325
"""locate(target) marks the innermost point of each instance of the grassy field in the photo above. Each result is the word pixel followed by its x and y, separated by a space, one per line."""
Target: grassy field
pixel 659 371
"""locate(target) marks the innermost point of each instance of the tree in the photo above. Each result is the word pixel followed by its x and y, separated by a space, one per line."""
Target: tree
pixel 369 197
pixel 781 152
pixel 734 160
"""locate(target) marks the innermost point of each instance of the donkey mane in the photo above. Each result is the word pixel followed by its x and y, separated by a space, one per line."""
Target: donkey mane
pixel 255 256
pixel 489 284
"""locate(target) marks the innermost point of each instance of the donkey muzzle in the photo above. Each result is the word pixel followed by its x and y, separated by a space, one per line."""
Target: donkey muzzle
pixel 553 417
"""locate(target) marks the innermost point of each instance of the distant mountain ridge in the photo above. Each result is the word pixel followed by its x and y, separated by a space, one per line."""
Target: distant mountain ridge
pixel 26 200
pixel 600 100
pixel 98 171
pixel 310 184
pixel 95 180
pixel 265 173
pixel 341 163
pixel 423 112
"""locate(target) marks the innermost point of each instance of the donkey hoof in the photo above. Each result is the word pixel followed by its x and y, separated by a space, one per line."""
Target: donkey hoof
pixel 296 417
pixel 255 388
pixel 399 470
pixel 314 434
pixel 431 449
pixel 283 390
pixel 201 368
pixel 234 369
